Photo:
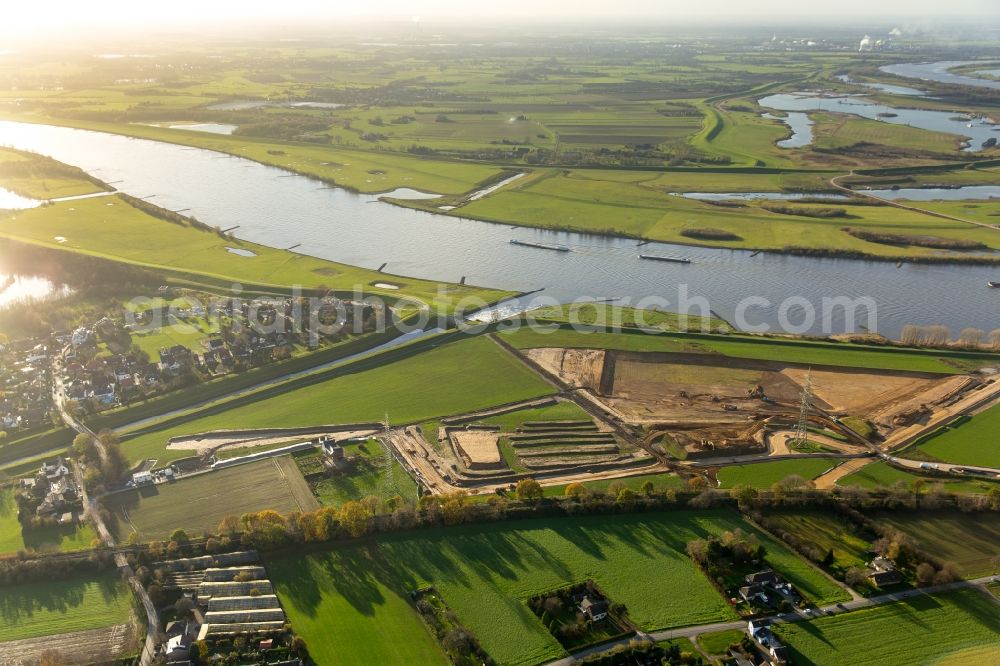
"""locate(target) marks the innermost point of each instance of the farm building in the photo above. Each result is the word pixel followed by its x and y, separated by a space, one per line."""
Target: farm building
pixel 595 611
pixel 233 591
pixel 882 572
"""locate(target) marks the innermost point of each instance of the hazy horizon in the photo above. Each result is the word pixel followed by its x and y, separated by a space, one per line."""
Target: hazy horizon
pixel 28 20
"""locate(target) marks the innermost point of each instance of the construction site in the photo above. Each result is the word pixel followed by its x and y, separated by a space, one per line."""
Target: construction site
pixel 467 452
pixel 704 406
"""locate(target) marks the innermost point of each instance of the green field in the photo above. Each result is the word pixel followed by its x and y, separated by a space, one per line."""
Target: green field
pixel 765 474
pixel 486 573
pixel 110 228
pixel 718 642
pixel 432 383
pixel 606 128
pixel 970 541
pixel 582 200
pixel 922 630
pixel 351 605
pixel 826 531
pixel 604 315
pixel 368 480
pixel 790 351
pixel 971 443
pixel 879 474
pixel 837 131
pixel 41 178
pixel 354 169
pixel 28 610
pixel 199 503
pixel 61 538
pixel 10 527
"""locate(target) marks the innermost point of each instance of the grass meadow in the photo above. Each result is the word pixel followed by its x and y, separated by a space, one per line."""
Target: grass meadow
pixel 29 610
pixel 58 538
pixel 880 473
pixel 358 170
pixel 199 503
pixel 971 443
pixel 486 573
pixel 946 628
pixel 581 200
pixel 969 540
pixel 765 474
pixel 472 373
pixel 718 642
pixel 110 228
pixel 790 351
pixel 827 531
pixel 367 480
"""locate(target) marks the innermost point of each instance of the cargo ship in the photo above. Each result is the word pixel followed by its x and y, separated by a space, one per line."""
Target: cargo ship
pixel 672 260
pixel 541 246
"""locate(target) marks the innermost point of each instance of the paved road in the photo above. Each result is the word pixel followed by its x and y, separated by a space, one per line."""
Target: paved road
pixel 948 467
pixel 832 609
pixel 94 513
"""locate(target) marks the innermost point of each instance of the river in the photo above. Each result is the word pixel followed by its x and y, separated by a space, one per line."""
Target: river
pixel 277 209
pixel 939 71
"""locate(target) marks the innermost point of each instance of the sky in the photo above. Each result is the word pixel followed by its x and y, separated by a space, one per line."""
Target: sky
pixel 26 17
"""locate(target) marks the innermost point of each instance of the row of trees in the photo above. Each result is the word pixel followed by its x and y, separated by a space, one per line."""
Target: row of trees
pixel 24 569
pixel 270 530
pixel 940 336
pixel 102 456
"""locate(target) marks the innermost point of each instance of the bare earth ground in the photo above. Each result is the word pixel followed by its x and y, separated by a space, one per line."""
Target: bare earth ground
pixel 79 647
pixel 207 441
pixel 859 393
pixel 829 480
pixel 971 403
pixel 479 445
pixel 778 443
pixel 576 367
pixel 937 392
pixel 297 485
pixel 419 456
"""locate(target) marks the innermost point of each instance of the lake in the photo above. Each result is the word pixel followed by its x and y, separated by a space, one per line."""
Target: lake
pixel 937 121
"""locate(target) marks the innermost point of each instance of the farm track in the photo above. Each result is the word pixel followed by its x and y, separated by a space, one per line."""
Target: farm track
pixel 895 204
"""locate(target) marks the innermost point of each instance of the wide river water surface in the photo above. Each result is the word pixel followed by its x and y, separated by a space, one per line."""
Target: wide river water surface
pixel 275 208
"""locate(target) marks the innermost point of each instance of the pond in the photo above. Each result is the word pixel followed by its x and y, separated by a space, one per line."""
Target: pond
pixel 211 128
pixel 22 288
pixel 13 201
pixel 801 127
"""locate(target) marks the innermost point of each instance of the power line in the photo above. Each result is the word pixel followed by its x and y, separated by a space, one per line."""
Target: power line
pixel 802 429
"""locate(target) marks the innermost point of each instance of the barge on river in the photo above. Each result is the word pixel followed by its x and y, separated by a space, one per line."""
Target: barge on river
pixel 541 246
pixel 672 260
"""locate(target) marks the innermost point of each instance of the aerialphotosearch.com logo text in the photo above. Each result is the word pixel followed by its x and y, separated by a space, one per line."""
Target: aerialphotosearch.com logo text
pixel 308 317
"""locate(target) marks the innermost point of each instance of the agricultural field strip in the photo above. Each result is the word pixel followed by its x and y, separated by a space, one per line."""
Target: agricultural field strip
pixel 977 585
